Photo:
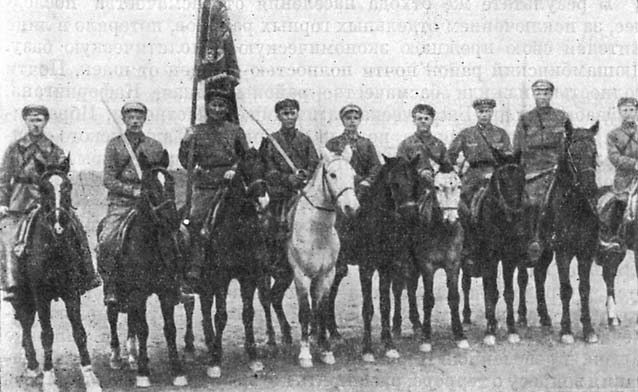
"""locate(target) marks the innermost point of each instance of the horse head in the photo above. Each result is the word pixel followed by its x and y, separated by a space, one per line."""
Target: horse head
pixel 577 165
pixel 251 173
pixel 400 179
pixel 447 192
pixel 55 193
pixel 507 183
pixel 337 177
pixel 158 192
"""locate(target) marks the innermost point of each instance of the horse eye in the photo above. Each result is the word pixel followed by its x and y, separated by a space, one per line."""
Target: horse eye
pixel 333 175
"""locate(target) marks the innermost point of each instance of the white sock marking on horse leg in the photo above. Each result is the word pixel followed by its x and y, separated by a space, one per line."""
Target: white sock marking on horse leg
pixel 91 381
pixel 48 381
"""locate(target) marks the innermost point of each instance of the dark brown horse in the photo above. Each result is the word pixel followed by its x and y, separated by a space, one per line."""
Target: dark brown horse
pixel 573 219
pixel 148 264
pixel 235 250
pixel 51 268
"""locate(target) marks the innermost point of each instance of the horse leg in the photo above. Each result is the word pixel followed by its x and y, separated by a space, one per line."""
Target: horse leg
pixel 170 334
pixel 367 311
pixel 490 298
pixel 278 290
pixel 131 343
pixel 265 299
pixel 610 269
pixel 221 317
pixel 584 270
pixel 46 336
pixel 385 280
pixel 320 291
pixel 302 286
pixel 563 262
pixel 138 315
pixel 508 294
pixel 428 305
pixel 398 284
pixel 25 313
pixel 453 300
pixel 115 361
pixel 189 337
pixel 636 266
pixel 73 312
pixel 206 305
pixel 247 287
pixel 466 284
pixel 331 322
pixel 415 318
pixel 523 280
pixel 540 275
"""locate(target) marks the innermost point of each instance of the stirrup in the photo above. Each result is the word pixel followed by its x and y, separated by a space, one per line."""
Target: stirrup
pixel 19 248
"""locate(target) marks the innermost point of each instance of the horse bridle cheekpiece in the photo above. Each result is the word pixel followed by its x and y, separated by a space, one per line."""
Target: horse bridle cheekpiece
pixel 573 170
pixel 324 184
pixel 500 198
pixel 154 209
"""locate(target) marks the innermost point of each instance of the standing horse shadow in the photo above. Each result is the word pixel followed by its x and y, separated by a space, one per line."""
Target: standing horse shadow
pixel 50 268
pixel 147 265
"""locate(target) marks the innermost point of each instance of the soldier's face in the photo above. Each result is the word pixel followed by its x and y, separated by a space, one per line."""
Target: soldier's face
pixel 288 117
pixel 351 121
pixel 134 120
pixel 217 109
pixel 484 115
pixel 423 121
pixel 627 113
pixel 35 124
pixel 542 97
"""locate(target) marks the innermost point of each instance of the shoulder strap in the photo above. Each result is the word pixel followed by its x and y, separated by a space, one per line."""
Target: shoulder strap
pixel 131 153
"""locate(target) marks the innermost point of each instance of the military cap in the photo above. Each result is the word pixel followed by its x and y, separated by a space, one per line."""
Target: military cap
pixel 543 84
pixel 424 108
pixel 628 101
pixel 286 103
pixel 35 109
pixel 134 106
pixel 219 87
pixel 484 103
pixel 350 108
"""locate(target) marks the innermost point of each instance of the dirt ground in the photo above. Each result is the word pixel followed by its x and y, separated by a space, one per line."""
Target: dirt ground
pixel 538 363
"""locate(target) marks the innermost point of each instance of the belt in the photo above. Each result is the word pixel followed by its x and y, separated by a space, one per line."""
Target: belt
pixel 24 180
pixel 481 164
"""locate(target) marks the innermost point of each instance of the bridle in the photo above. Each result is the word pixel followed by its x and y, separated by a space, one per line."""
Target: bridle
pixel 577 185
pixel 509 210
pixel 155 208
pixel 326 189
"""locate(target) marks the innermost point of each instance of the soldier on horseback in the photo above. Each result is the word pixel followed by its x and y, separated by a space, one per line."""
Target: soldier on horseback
pixel 540 136
pixel 124 189
pixel 214 160
pixel 477 144
pixel 283 182
pixel 622 150
pixel 19 194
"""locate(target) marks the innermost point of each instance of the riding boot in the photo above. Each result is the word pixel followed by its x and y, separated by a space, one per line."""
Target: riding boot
pixel 92 279
pixel 12 278
pixel 537 244
pixel 198 256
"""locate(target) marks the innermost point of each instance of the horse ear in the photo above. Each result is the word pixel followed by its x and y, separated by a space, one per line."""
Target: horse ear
pixel 65 166
pixel 240 151
pixel 325 153
pixel 164 161
pixel 143 161
pixel 594 128
pixel 347 153
pixel 435 166
pixel 40 167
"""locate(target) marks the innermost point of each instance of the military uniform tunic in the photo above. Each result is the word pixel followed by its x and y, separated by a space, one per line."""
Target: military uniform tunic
pixel 540 136
pixel 622 150
pixel 300 149
pixel 365 160
pixel 478 153
pixel 427 146
pixel 213 155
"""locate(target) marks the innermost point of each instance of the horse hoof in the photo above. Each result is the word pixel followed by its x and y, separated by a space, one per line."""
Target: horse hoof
pixel 33 373
pixel 180 381
pixel 567 338
pixel 425 347
pixel 513 338
pixel 305 362
pixel 115 363
pixel 142 382
pixel 489 340
pixel 614 322
pixel 368 357
pixel 132 363
pixel 463 344
pixel 328 358
pixel 392 354
pixel 91 382
pixel 48 381
pixel 256 366
pixel 214 372
pixel 591 338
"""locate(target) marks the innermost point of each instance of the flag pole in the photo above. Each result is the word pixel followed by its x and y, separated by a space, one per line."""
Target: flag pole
pixel 191 145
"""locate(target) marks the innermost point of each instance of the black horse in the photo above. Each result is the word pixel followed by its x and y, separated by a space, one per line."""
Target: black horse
pixel 235 250
pixel 148 264
pixel 436 244
pixel 375 240
pixel 51 268
pixel 573 219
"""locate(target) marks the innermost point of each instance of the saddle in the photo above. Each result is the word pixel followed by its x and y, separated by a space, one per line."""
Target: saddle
pixel 116 242
pixel 475 205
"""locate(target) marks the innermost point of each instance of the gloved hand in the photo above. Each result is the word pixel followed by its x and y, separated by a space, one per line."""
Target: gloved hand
pixel 427 175
pixel 4 210
pixel 229 174
pixel 298 179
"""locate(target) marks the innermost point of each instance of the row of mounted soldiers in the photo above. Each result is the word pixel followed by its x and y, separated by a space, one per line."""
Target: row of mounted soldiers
pixel 539 136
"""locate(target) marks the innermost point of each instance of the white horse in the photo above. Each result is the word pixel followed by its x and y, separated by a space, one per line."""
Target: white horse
pixel 314 245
